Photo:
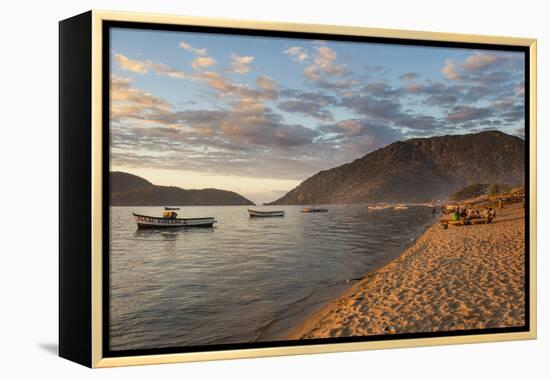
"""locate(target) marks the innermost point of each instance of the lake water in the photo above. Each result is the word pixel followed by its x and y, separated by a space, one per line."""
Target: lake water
pixel 247 279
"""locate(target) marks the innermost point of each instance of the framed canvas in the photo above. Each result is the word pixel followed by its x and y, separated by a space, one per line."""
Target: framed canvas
pixel 235 189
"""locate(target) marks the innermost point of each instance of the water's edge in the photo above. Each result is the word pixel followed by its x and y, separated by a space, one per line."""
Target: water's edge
pixel 298 317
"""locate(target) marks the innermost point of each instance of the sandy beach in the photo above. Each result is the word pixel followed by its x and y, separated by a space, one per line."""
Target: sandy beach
pixel 463 277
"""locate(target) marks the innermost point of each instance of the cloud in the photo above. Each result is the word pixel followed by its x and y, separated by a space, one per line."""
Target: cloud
pixel 312 73
pixel 515 113
pixel 226 88
pixel 268 134
pixel 265 82
pixel 419 122
pixel 164 70
pixel 321 98
pixel 359 136
pixel 413 87
pixel 131 103
pixel 447 94
pixel 240 64
pixel 441 100
pixel 520 89
pixel 337 85
pixel 202 62
pixel 186 46
pixel 355 127
pixel 479 61
pixel 372 107
pixel 352 127
pixel 449 70
pixel 380 89
pixel 468 113
pixel 323 64
pixel 121 90
pixel 486 68
pixel 128 64
pixel 312 109
pixel 409 76
pixel 435 94
pixel 144 66
pixel 216 81
pixel 297 53
pixel 503 103
pixel 246 121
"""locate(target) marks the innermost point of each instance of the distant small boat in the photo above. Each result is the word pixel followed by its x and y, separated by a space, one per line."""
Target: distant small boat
pixel 265 214
pixel 171 208
pixel 146 221
pixel 400 207
pixel 313 210
pixel 379 207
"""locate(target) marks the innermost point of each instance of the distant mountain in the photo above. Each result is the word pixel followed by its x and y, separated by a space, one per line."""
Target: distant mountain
pixel 131 190
pixel 417 170
pixel 122 182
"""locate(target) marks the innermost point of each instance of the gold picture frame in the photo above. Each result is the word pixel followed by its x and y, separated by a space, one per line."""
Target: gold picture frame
pixel 90 328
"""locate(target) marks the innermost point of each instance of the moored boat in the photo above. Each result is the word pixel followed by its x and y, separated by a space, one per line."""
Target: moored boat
pixel 379 207
pixel 400 207
pixel 266 214
pixel 147 221
pixel 313 210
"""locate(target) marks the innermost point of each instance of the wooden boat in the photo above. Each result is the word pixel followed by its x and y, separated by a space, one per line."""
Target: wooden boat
pixel 400 207
pixel 466 222
pixel 146 221
pixel 313 210
pixel 265 214
pixel 171 208
pixel 379 207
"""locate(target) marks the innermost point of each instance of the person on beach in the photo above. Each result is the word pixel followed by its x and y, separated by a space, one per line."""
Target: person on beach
pixel 433 211
pixel 487 214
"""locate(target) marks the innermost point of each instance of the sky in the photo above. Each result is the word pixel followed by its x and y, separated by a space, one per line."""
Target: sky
pixel 258 115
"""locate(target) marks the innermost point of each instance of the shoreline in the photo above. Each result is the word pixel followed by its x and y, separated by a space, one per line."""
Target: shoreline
pixel 305 326
pixel 307 313
pixel 459 280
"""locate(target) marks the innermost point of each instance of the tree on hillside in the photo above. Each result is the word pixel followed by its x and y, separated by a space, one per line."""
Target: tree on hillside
pixel 493 189
pixel 469 191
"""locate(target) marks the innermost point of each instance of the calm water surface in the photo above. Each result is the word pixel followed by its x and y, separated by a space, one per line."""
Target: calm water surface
pixel 246 279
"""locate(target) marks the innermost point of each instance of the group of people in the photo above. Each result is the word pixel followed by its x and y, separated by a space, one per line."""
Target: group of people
pixel 470 213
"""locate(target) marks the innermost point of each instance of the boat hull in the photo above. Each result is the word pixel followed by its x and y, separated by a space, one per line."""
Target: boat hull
pixel 148 222
pixel 265 214
pixel 312 210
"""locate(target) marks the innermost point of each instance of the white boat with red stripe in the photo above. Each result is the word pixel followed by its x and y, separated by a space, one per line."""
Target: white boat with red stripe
pixel 147 222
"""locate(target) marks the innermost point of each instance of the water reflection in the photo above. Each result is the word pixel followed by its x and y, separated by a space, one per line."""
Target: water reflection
pixel 246 278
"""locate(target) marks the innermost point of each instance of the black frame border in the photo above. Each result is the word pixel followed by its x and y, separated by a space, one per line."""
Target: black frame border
pixel 106 27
